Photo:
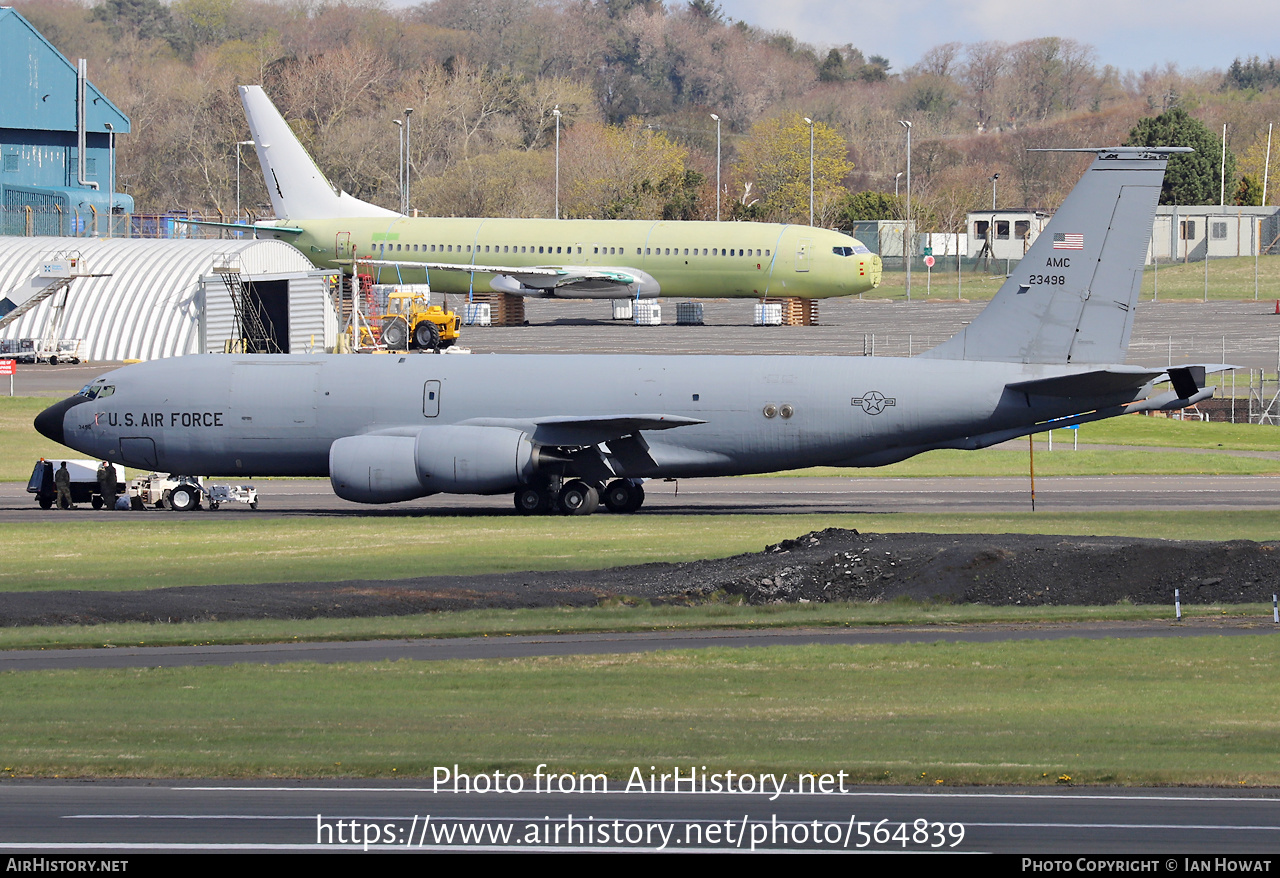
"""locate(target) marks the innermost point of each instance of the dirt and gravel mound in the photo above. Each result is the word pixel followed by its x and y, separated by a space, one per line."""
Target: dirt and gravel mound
pixel 828 565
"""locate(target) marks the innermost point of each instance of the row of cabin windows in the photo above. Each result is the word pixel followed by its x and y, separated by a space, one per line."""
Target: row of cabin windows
pixel 605 251
pixel 1021 229
pixel 1187 230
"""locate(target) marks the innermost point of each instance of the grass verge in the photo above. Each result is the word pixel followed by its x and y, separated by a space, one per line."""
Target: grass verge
pixel 1229 280
pixel 1062 461
pixel 616 616
pixel 1148 711
pixel 152 551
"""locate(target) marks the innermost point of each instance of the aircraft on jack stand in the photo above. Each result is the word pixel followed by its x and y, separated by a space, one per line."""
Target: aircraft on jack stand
pixel 572 259
pixel 562 432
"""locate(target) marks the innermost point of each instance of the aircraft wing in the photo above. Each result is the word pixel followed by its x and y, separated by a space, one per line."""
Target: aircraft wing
pixel 243 227
pixel 586 429
pixel 547 280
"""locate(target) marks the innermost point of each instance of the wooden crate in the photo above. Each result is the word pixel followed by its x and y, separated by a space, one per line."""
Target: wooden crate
pixel 505 309
pixel 796 311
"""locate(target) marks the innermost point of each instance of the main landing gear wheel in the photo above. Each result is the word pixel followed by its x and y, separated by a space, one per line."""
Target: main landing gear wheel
pixel 578 498
pixel 183 498
pixel 533 501
pixel 623 496
pixel 427 336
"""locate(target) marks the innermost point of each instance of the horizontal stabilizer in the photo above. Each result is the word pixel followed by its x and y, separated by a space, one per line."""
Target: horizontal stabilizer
pixel 1095 383
pixel 245 227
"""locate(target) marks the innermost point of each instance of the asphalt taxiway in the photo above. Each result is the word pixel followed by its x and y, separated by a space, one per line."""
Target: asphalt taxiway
pixel 751 496
pixel 75 818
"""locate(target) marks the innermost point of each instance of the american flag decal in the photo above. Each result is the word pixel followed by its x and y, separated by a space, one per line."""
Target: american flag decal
pixel 1067 241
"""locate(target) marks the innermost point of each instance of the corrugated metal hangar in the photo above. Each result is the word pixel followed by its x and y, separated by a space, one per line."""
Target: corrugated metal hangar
pixel 145 299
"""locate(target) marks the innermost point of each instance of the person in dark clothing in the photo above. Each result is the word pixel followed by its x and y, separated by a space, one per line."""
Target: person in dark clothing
pixel 107 485
pixel 62 481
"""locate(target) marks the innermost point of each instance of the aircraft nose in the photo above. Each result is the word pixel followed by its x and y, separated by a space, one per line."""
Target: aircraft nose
pixel 869 270
pixel 49 422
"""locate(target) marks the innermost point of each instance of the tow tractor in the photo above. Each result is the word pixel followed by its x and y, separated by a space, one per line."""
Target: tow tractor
pixel 183 493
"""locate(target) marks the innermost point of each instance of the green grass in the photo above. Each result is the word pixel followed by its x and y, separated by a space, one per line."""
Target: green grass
pixel 976 286
pixel 618 615
pixel 1166 433
pixel 22 445
pixel 1062 461
pixel 1148 711
pixel 1229 280
pixel 152 551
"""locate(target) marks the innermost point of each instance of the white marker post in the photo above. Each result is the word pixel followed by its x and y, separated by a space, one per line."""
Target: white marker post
pixel 1275 610
pixel 9 367
pixel 1177 604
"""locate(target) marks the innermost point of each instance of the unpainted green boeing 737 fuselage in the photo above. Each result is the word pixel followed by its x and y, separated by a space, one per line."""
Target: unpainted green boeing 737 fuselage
pixel 687 259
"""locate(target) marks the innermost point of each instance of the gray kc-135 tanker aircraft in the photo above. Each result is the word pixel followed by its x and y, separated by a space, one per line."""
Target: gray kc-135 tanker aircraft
pixel 563 432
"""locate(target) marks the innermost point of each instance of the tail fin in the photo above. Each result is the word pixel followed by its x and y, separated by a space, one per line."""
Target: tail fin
pixel 1071 299
pixel 298 190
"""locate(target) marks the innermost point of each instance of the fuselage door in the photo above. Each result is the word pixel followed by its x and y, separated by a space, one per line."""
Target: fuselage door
pixel 803 246
pixel 342 245
pixel 139 451
pixel 431 399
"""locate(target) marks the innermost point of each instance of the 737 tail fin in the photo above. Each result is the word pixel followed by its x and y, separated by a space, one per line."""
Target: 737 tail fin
pixel 1071 299
pixel 297 187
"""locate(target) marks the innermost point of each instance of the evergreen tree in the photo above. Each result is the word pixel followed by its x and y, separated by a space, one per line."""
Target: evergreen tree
pixel 869 206
pixel 1249 192
pixel 1194 178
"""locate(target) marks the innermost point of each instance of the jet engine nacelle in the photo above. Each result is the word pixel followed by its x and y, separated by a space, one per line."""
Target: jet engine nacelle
pixel 437 460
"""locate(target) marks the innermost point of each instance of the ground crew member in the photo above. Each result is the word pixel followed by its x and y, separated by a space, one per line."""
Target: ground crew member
pixel 107 485
pixel 62 481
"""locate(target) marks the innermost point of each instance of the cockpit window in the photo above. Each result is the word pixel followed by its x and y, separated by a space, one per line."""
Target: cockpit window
pixel 93 391
pixel 857 248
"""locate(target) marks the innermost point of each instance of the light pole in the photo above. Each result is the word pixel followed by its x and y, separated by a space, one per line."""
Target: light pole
pixel 239 143
pixel 408 160
pixel 809 122
pixel 717 118
pixel 556 113
pixel 400 169
pixel 906 235
pixel 993 179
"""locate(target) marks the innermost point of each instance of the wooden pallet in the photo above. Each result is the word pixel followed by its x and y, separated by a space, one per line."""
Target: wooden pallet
pixel 797 311
pixel 504 308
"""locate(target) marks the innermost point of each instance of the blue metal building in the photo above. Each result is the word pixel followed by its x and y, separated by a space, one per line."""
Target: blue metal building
pixel 57 140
